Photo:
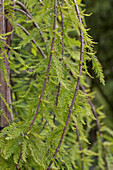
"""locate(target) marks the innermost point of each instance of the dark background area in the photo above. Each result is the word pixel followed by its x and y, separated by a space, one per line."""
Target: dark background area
pixel 101 29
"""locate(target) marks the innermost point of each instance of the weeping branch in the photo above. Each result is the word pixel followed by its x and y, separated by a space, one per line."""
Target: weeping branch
pixel 59 85
pixel 27 33
pixel 49 64
pixel 76 90
pixel 28 14
pixel 47 73
pixel 23 12
pixel 23 7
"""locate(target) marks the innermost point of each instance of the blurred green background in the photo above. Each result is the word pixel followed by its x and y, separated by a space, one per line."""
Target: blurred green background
pixel 101 29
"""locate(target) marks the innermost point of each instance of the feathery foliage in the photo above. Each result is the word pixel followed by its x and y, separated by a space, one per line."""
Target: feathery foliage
pixel 32 144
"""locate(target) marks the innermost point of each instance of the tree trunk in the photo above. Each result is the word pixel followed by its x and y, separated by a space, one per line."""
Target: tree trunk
pixel 5 88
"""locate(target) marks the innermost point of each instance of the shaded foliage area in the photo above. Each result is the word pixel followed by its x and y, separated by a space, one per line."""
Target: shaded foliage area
pixel 101 24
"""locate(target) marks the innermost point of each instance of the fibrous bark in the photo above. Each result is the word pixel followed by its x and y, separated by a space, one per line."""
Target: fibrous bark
pixel 5 89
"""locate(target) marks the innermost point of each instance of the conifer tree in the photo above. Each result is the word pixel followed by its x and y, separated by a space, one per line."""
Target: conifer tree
pixel 53 113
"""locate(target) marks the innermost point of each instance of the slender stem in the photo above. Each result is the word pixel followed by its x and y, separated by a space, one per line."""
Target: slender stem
pixel 19 160
pixel 45 123
pixel 27 13
pixel 59 86
pixel 23 7
pixel 76 90
pixel 24 12
pixel 27 33
pixel 98 125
